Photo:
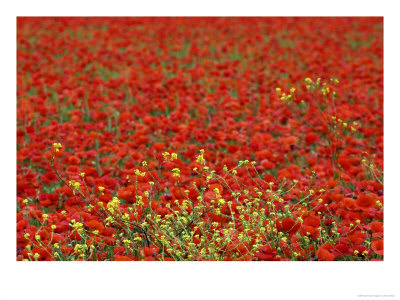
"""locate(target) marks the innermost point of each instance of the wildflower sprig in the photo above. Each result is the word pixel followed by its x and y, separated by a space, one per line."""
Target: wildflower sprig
pixel 57 147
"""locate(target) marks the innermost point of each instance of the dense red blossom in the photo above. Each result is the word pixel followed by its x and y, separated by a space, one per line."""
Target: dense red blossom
pixel 125 124
pixel 287 225
pixel 377 246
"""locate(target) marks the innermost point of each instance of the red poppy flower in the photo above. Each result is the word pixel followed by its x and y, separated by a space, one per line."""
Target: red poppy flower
pixel 377 228
pixel 95 225
pixel 313 221
pixel 365 202
pixel 127 193
pixel 357 237
pixel 324 254
pixel 309 231
pixel 266 253
pixel 311 138
pixel 72 170
pixel 349 203
pixel 377 246
pixel 74 160
pixel 287 225
pixel 343 249
pixel 150 251
pixel 267 164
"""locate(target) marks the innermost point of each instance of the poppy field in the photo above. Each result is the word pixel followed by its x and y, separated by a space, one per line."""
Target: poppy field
pixel 199 139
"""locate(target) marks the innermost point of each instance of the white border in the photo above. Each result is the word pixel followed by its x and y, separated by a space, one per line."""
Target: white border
pixel 197 280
